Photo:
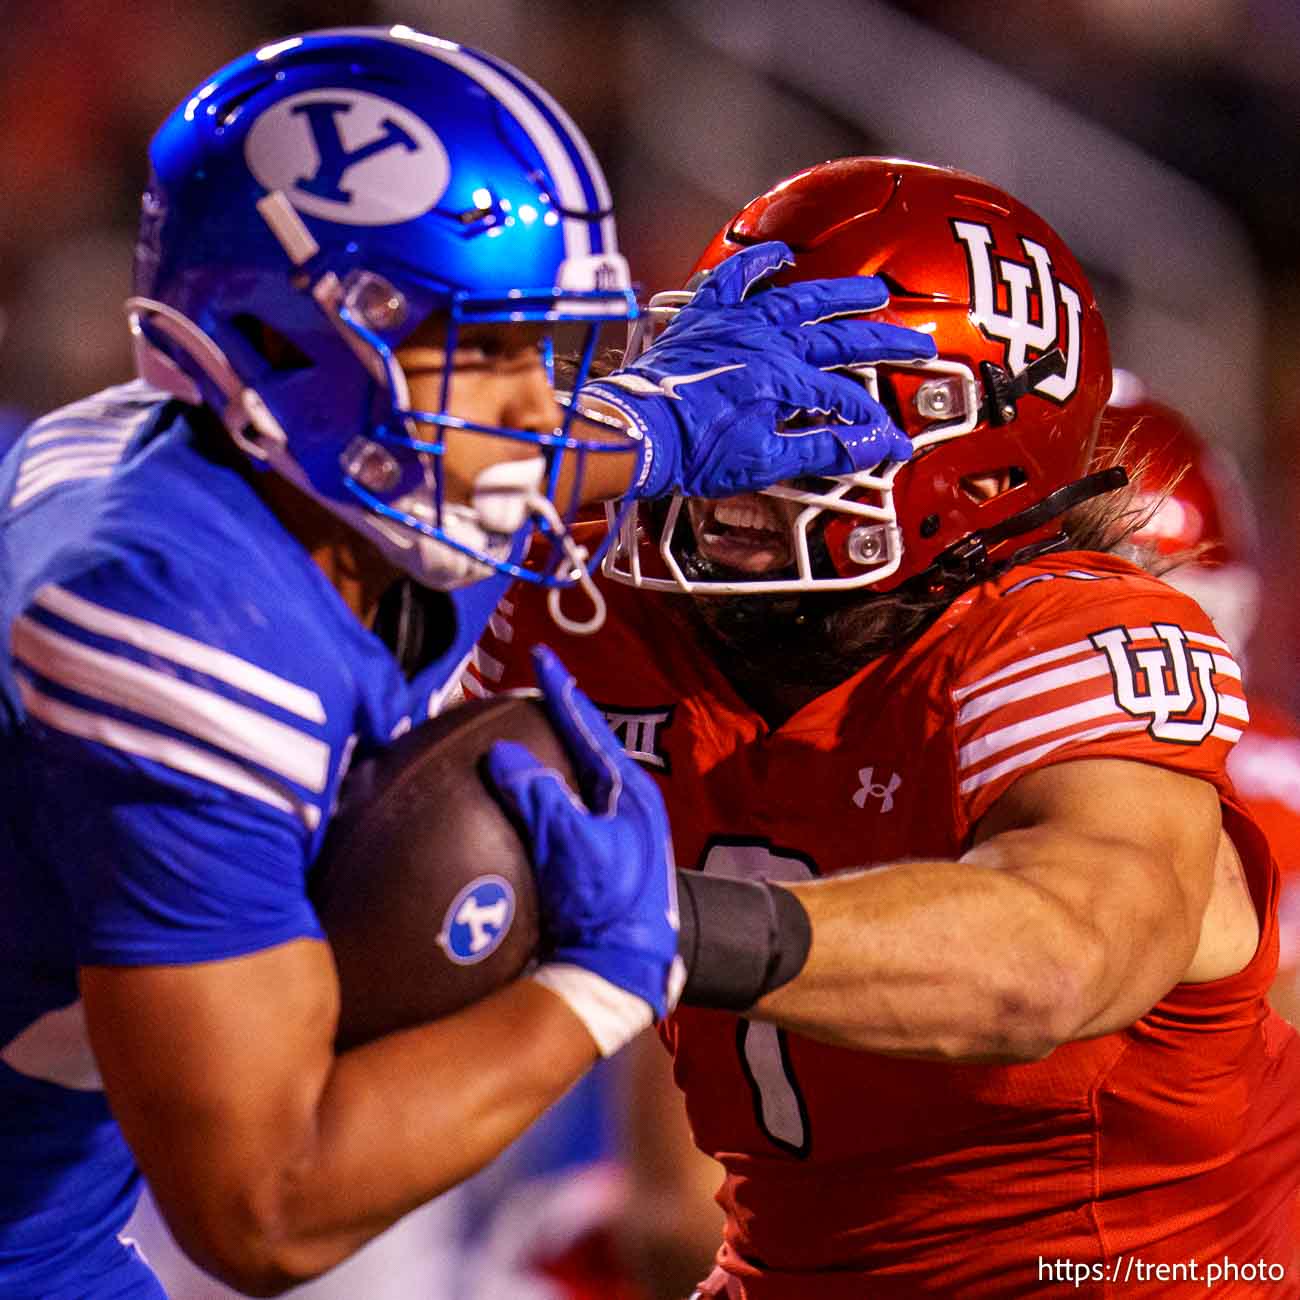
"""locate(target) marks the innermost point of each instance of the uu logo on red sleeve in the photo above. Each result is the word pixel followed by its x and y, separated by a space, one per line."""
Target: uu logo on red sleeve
pixel 1035 301
pixel 1172 684
pixel 1157 680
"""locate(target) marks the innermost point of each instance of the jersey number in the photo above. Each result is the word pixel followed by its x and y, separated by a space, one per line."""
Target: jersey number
pixel 764 1049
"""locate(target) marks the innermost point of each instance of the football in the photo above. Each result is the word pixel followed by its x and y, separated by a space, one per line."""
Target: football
pixel 423 887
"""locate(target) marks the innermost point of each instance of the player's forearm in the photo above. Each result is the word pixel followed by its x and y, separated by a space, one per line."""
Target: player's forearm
pixel 396 1122
pixel 942 960
pixel 601 476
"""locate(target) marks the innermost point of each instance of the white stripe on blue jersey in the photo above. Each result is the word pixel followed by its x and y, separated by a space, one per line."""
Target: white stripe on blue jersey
pixel 68 442
pixel 189 653
pixel 167 750
pixel 80 428
pixel 71 469
pixel 198 712
pixel 570 192
pixel 83 441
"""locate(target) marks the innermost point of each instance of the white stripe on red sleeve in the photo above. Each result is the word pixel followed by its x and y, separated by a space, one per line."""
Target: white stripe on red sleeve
pixel 1013 717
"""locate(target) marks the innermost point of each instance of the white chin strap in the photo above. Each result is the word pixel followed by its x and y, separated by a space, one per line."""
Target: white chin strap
pixel 505 496
pixel 501 503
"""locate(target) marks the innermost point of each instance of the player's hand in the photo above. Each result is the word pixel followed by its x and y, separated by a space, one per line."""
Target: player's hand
pixel 739 392
pixel 604 861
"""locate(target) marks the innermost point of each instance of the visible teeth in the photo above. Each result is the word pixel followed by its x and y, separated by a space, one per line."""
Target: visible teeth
pixel 739 514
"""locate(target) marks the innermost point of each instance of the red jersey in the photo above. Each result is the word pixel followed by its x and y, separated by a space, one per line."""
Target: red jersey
pixel 850 1174
pixel 1265 768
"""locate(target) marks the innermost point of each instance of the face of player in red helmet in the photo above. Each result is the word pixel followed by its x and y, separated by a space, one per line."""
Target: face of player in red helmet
pixel 1013 397
pixel 1198 504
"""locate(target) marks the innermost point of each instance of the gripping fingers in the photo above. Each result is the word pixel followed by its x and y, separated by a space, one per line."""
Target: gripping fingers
pixel 730 281
pixel 816 300
pixel 595 753
pixel 845 448
pixel 861 342
pixel 535 793
pixel 837 396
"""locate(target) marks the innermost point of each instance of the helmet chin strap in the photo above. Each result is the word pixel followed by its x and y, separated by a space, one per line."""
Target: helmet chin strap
pixel 968 560
pixel 579 570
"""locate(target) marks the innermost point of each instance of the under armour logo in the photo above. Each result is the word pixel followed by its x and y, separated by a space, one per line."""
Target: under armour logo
pixel 477 920
pixel 1034 297
pixel 1157 682
pixel 335 160
pixel 873 789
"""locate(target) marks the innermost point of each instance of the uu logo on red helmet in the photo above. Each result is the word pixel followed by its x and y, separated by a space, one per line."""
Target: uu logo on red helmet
pixel 1032 292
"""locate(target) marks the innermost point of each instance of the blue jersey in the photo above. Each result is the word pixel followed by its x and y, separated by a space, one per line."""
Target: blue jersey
pixel 181 694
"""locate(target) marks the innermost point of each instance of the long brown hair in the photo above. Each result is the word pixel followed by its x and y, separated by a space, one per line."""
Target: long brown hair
pixel 830 636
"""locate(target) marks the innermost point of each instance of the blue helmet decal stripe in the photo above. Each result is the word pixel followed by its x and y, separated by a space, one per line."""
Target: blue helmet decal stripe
pixel 589 170
pixel 569 170
pixel 577 191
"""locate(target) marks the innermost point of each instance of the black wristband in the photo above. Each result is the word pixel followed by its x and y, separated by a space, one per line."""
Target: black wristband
pixel 739 939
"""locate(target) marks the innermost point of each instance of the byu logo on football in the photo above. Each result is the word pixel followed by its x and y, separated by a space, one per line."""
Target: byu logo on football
pixel 1026 324
pixel 1157 683
pixel 349 157
pixel 477 920
pixel 873 789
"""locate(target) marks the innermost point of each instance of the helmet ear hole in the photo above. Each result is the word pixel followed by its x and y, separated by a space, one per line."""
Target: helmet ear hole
pixel 989 484
pixel 279 352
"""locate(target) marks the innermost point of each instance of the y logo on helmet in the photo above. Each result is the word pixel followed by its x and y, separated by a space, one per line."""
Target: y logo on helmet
pixel 348 156
pixel 477 920
pixel 1035 299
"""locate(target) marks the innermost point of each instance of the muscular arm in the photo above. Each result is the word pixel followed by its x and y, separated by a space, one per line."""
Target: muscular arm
pixel 273 1159
pixel 1079 906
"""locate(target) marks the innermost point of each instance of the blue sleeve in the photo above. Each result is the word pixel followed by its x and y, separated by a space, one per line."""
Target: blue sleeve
pixel 474 607
pixel 183 736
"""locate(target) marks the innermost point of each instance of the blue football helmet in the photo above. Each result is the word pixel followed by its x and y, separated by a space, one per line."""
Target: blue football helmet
pixel 333 191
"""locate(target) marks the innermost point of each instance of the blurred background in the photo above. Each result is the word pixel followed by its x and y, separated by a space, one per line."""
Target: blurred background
pixel 1160 137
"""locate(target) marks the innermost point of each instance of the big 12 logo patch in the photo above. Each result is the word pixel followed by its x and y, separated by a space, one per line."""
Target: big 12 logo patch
pixel 1035 302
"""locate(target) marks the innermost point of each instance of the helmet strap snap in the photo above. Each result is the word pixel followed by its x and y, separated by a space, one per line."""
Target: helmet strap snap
pixel 1003 390
pixel 970 559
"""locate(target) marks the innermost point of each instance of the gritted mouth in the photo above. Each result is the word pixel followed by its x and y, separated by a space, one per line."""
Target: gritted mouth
pixel 748 534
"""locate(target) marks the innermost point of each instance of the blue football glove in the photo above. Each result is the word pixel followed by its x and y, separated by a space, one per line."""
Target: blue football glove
pixel 713 396
pixel 605 876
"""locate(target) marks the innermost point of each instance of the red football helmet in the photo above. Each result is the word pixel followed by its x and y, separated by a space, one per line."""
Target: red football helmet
pixel 1198 504
pixel 1019 383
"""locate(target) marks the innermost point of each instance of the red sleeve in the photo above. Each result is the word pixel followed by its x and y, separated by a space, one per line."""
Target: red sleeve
pixel 1123 667
pixel 500 661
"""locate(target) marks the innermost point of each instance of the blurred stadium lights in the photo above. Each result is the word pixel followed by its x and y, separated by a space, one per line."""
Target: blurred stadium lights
pixel 1171 265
